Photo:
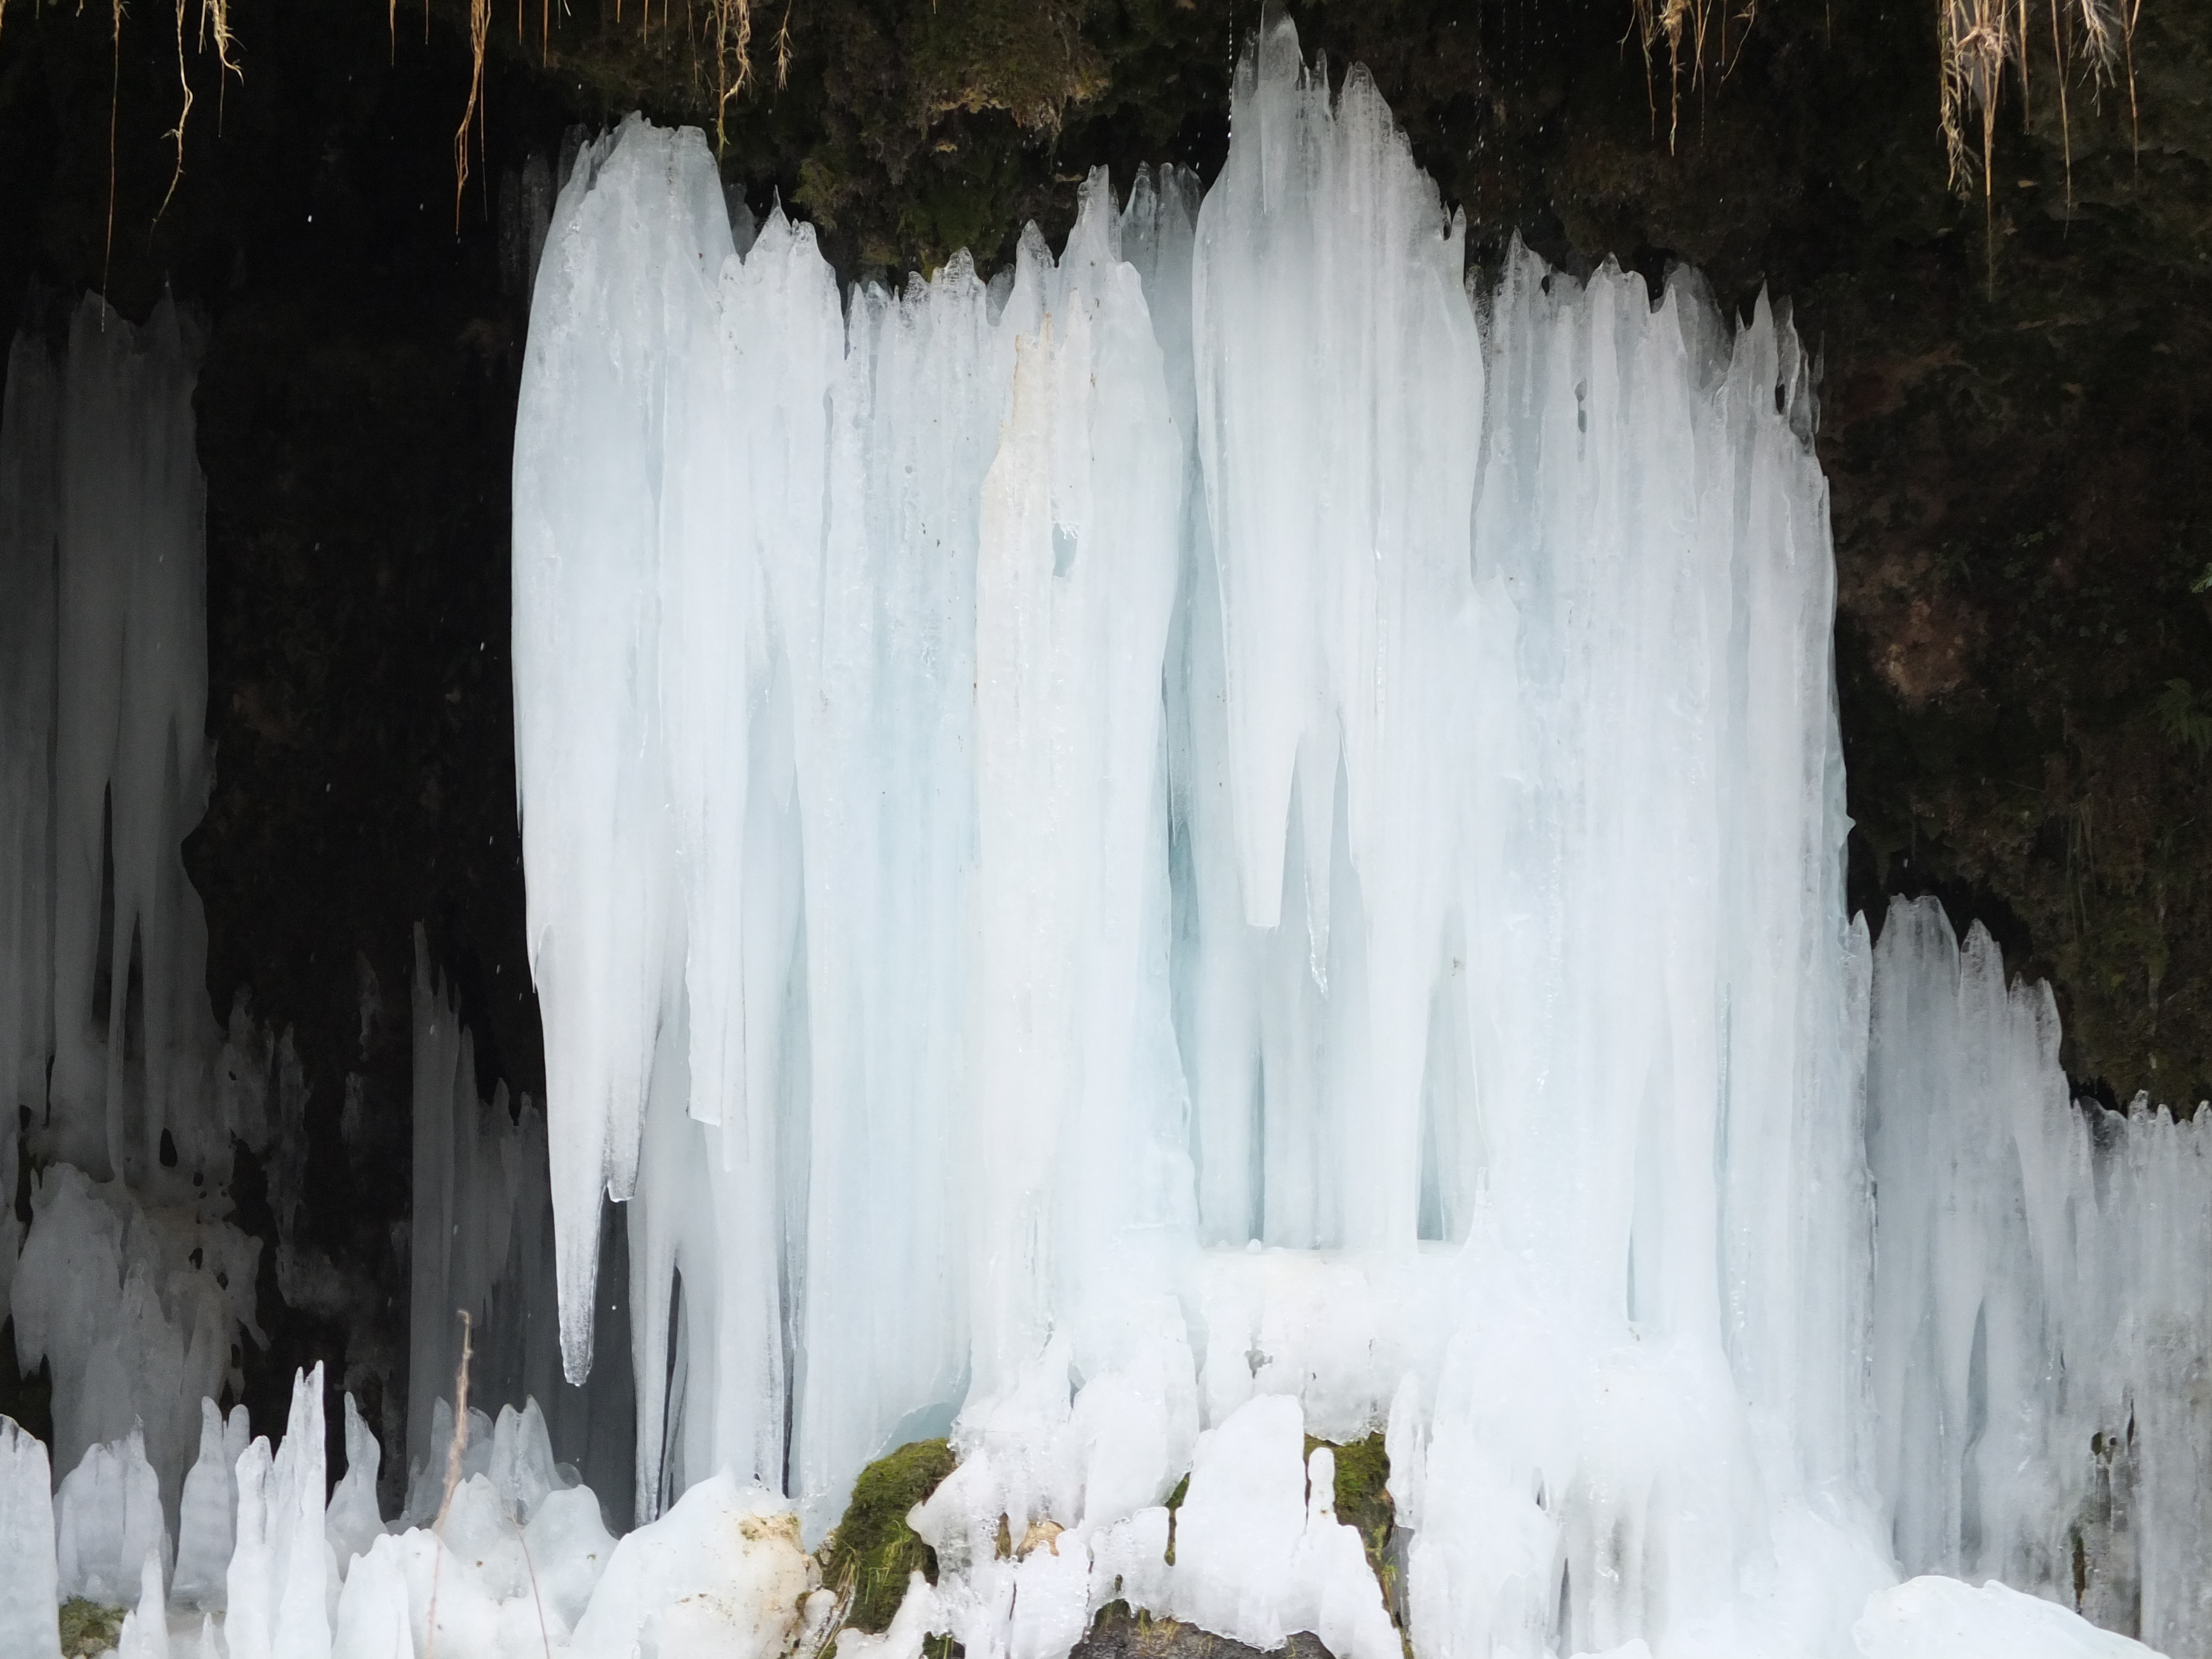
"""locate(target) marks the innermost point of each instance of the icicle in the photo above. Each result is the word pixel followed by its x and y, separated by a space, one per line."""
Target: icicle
pixel 30 1592
pixel 207 1519
pixel 622 312
pixel 145 1632
pixel 2039 1302
pixel 129 751
pixel 107 1519
pixel 352 1522
pixel 278 1583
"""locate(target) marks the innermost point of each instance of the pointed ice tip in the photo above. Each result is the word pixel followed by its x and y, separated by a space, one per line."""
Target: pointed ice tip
pixel 575 1350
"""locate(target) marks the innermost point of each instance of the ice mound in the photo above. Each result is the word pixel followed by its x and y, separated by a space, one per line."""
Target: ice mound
pixel 107 1522
pixel 1943 1618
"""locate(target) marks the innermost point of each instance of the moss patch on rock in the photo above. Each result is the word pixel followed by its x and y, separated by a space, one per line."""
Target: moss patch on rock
pixel 1119 1633
pixel 88 1628
pixel 873 1551
pixel 1363 1502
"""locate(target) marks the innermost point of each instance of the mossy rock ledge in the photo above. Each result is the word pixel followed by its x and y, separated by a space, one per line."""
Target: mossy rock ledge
pixel 88 1628
pixel 873 1552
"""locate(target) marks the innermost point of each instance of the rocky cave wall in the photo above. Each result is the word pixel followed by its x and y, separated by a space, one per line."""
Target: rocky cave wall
pixel 2014 426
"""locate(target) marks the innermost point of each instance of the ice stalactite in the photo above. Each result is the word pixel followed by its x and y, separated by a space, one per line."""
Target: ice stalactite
pixel 481 1242
pixel 2041 1310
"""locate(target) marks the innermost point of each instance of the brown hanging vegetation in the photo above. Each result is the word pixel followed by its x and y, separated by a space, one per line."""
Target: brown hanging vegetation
pixel 1979 42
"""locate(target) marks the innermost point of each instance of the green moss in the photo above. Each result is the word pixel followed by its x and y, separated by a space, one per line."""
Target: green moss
pixel 1363 1502
pixel 1027 58
pixel 874 1551
pixel 88 1628
pixel 1175 1508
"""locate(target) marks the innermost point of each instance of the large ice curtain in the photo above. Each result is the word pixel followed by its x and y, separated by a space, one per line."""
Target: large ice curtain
pixel 1222 816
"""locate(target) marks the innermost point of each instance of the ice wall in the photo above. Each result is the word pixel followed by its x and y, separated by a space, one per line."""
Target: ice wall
pixel 1220 824
pixel 2042 1313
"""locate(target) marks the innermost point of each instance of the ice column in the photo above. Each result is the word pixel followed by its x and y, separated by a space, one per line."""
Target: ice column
pixel 277 1585
pixel 102 945
pixel 1195 741
pixel 1078 1113
pixel 30 1590
pixel 1328 278
pixel 623 310
pixel 471 1176
pixel 2040 1301
pixel 129 751
pixel 29 431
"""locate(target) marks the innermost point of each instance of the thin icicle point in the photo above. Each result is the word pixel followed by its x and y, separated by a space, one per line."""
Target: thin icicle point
pixel 278 1582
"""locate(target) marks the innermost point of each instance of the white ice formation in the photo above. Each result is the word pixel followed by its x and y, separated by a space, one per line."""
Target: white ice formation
pixel 2041 1303
pixel 129 1285
pixel 1229 837
pixel 1222 842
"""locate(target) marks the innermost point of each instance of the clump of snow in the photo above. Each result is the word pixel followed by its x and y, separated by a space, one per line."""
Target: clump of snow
pixel 1933 1618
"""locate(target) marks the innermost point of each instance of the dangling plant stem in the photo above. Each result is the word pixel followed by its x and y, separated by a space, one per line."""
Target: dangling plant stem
pixel 479 32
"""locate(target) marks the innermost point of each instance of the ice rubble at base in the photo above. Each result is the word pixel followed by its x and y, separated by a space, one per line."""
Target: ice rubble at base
pixel 520 1564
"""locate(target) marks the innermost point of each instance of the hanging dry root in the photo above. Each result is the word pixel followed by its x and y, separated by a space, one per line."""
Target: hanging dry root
pixel 479 32
pixel 1981 39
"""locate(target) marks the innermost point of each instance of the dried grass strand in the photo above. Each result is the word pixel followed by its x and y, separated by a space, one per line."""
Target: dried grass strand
pixel 472 114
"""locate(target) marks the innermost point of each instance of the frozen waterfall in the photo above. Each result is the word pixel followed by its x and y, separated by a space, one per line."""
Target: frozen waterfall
pixel 1224 837
pixel 1215 858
